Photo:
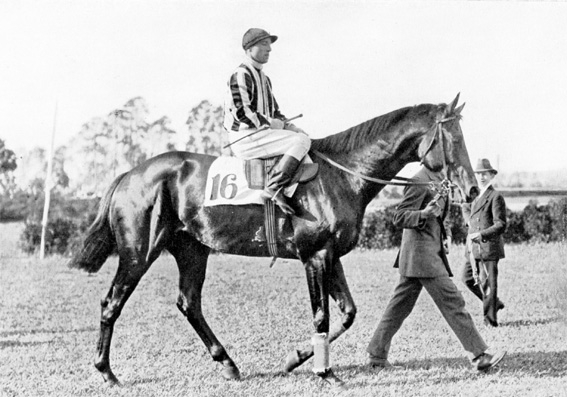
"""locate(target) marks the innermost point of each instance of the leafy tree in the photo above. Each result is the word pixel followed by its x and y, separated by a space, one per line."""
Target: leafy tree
pixel 33 170
pixel 107 146
pixel 87 155
pixel 7 166
pixel 206 133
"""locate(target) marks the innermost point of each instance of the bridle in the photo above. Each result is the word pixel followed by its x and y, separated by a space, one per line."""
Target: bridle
pixel 438 132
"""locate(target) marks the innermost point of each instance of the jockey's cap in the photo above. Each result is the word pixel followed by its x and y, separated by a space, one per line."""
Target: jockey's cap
pixel 254 36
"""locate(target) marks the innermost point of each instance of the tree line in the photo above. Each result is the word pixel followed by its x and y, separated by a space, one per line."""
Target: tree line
pixel 104 147
pixel 108 145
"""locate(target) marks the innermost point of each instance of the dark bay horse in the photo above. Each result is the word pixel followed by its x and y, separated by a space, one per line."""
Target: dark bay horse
pixel 159 206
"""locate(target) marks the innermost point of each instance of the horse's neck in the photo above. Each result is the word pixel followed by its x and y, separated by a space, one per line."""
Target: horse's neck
pixel 382 159
pixel 368 163
pixel 378 148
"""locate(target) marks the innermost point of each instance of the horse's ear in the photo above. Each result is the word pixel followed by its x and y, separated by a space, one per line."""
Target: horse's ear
pixel 451 107
pixel 459 109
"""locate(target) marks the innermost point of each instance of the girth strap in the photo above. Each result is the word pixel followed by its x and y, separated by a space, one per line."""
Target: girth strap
pixel 270 216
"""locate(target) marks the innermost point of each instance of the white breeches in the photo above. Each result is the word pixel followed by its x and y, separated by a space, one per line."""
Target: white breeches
pixel 269 143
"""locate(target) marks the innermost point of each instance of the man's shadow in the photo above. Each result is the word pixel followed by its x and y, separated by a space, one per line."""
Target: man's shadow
pixel 551 364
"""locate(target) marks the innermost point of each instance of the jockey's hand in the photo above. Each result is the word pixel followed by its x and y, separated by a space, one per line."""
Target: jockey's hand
pixel 276 124
pixel 294 128
pixel 431 211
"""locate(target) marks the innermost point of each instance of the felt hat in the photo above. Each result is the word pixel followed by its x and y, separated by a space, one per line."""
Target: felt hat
pixel 484 165
pixel 254 36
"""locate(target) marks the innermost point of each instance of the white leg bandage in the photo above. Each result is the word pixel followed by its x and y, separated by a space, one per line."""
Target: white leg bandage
pixel 320 352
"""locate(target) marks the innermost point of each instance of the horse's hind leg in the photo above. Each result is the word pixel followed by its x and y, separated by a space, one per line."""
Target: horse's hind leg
pixel 340 292
pixel 129 273
pixel 191 257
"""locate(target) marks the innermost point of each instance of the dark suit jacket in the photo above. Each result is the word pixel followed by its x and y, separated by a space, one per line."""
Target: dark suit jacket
pixel 422 253
pixel 487 215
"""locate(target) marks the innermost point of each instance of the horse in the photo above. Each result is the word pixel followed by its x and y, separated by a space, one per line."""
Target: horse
pixel 158 206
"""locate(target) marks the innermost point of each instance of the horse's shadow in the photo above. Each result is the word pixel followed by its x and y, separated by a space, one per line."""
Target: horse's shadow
pixel 550 364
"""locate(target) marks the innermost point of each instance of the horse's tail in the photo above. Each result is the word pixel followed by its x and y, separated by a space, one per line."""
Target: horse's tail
pixel 99 242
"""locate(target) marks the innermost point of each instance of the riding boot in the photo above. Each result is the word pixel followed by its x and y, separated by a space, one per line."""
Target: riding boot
pixel 279 178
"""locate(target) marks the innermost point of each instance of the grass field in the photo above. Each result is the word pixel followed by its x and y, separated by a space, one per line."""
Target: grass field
pixel 49 318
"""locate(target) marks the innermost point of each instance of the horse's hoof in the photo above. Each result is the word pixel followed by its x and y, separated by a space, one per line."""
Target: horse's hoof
pixel 107 373
pixel 230 373
pixel 331 379
pixel 292 361
pixel 111 379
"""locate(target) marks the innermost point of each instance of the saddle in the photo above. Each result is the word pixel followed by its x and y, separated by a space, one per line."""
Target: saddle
pixel 257 171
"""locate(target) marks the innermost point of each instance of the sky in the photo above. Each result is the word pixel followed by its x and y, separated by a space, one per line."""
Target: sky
pixel 337 62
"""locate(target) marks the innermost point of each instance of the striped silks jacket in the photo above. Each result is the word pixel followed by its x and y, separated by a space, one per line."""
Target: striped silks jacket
pixel 250 102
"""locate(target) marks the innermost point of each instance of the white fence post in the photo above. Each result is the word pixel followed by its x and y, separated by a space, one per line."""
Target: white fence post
pixel 48 186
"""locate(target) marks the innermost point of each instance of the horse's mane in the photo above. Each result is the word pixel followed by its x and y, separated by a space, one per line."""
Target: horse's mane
pixel 362 134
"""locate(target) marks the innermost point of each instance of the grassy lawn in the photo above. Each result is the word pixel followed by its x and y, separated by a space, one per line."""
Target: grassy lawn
pixel 49 318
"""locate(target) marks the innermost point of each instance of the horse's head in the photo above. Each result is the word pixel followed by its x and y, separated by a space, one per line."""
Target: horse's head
pixel 443 149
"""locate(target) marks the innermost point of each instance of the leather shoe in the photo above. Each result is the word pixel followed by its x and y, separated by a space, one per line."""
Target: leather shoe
pixel 381 364
pixel 486 361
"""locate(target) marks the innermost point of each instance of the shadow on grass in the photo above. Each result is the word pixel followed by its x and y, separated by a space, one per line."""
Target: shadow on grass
pixel 276 371
pixel 15 343
pixel 549 364
pixel 142 381
pixel 20 332
pixel 527 323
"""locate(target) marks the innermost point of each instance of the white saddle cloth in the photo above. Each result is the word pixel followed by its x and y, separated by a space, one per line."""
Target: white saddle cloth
pixel 227 184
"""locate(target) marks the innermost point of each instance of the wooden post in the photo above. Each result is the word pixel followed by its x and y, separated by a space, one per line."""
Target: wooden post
pixel 48 187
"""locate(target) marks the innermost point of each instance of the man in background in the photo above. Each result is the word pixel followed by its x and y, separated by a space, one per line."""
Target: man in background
pixel 486 219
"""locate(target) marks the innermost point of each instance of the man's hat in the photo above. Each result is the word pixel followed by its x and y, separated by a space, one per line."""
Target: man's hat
pixel 484 165
pixel 254 36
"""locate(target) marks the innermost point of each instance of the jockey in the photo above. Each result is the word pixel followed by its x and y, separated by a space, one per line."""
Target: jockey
pixel 251 105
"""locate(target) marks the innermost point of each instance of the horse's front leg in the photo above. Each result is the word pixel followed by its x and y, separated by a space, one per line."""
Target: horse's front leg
pixel 318 270
pixel 340 292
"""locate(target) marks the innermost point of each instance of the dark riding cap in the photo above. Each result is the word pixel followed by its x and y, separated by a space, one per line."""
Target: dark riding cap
pixel 254 36
pixel 484 165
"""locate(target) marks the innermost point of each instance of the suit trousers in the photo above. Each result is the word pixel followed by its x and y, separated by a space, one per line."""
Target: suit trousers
pixel 487 288
pixel 446 297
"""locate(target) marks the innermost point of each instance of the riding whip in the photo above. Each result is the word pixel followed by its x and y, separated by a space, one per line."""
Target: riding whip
pixel 262 129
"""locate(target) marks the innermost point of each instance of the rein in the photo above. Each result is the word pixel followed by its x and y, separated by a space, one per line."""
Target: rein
pixel 439 130
pixel 408 181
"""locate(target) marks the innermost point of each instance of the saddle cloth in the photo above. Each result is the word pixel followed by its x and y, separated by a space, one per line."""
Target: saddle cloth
pixel 231 182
